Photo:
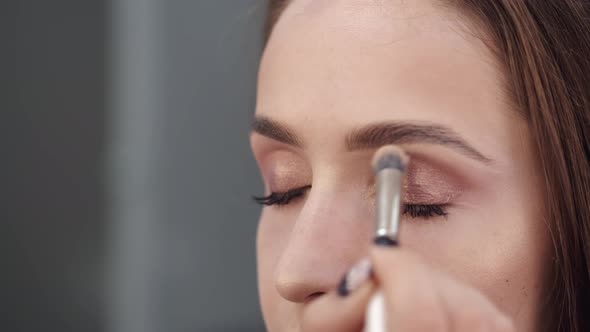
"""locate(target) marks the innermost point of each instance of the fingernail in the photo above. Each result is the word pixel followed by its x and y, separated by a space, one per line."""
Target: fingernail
pixel 355 277
pixel 385 241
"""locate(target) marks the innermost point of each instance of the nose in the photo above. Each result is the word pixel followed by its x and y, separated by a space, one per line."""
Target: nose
pixel 329 235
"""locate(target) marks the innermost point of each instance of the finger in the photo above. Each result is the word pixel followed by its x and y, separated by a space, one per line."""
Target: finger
pixel 333 312
pixel 468 309
pixel 412 303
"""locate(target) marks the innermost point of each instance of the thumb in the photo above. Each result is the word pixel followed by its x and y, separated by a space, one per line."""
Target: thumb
pixel 338 310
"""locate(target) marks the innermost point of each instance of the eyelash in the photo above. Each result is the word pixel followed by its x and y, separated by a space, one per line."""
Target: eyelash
pixel 425 211
pixel 281 198
pixel 414 210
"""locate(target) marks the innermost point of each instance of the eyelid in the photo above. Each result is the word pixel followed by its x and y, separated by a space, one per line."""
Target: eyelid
pixel 428 184
pixel 423 197
pixel 283 170
pixel 425 185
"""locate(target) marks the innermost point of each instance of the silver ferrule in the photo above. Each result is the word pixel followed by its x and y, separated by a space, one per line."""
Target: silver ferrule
pixel 389 202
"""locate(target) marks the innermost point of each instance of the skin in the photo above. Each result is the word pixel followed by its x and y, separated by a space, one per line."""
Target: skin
pixel 331 67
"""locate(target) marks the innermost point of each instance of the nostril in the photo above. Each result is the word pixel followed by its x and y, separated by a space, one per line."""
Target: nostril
pixel 313 296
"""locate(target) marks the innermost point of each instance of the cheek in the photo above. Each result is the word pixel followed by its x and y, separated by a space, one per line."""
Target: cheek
pixel 500 247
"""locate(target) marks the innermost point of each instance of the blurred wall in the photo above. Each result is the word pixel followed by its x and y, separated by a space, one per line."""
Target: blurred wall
pixel 52 102
pixel 181 173
pixel 126 199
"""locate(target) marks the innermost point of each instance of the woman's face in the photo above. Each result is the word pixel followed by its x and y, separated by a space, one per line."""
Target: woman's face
pixel 339 79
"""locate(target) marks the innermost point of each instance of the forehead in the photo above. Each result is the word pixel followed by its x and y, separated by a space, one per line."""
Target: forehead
pixel 342 63
pixel 370 20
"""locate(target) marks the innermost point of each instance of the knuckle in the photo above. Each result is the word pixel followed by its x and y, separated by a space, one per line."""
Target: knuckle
pixel 394 258
pixel 475 320
pixel 396 269
pixel 430 322
pixel 504 324
pixel 423 314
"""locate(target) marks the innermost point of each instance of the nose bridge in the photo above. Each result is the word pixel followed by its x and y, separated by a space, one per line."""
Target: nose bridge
pixel 329 235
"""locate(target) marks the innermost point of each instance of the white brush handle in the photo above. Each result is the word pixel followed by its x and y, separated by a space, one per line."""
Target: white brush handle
pixel 375 314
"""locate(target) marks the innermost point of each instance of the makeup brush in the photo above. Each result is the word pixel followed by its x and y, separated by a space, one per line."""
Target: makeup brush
pixel 389 164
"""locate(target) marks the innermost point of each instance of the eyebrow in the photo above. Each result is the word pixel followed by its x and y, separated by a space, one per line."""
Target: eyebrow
pixel 375 135
pixel 272 129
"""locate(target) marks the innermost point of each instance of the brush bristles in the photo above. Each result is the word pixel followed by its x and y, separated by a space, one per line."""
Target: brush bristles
pixel 390 157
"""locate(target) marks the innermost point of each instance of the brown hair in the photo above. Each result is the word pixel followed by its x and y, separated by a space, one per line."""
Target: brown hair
pixel 544 47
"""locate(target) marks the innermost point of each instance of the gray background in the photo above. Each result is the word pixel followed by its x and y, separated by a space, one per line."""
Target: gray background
pixel 128 174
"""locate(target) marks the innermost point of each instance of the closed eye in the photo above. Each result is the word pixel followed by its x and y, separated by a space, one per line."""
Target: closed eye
pixel 281 198
pixel 425 211
pixel 415 211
